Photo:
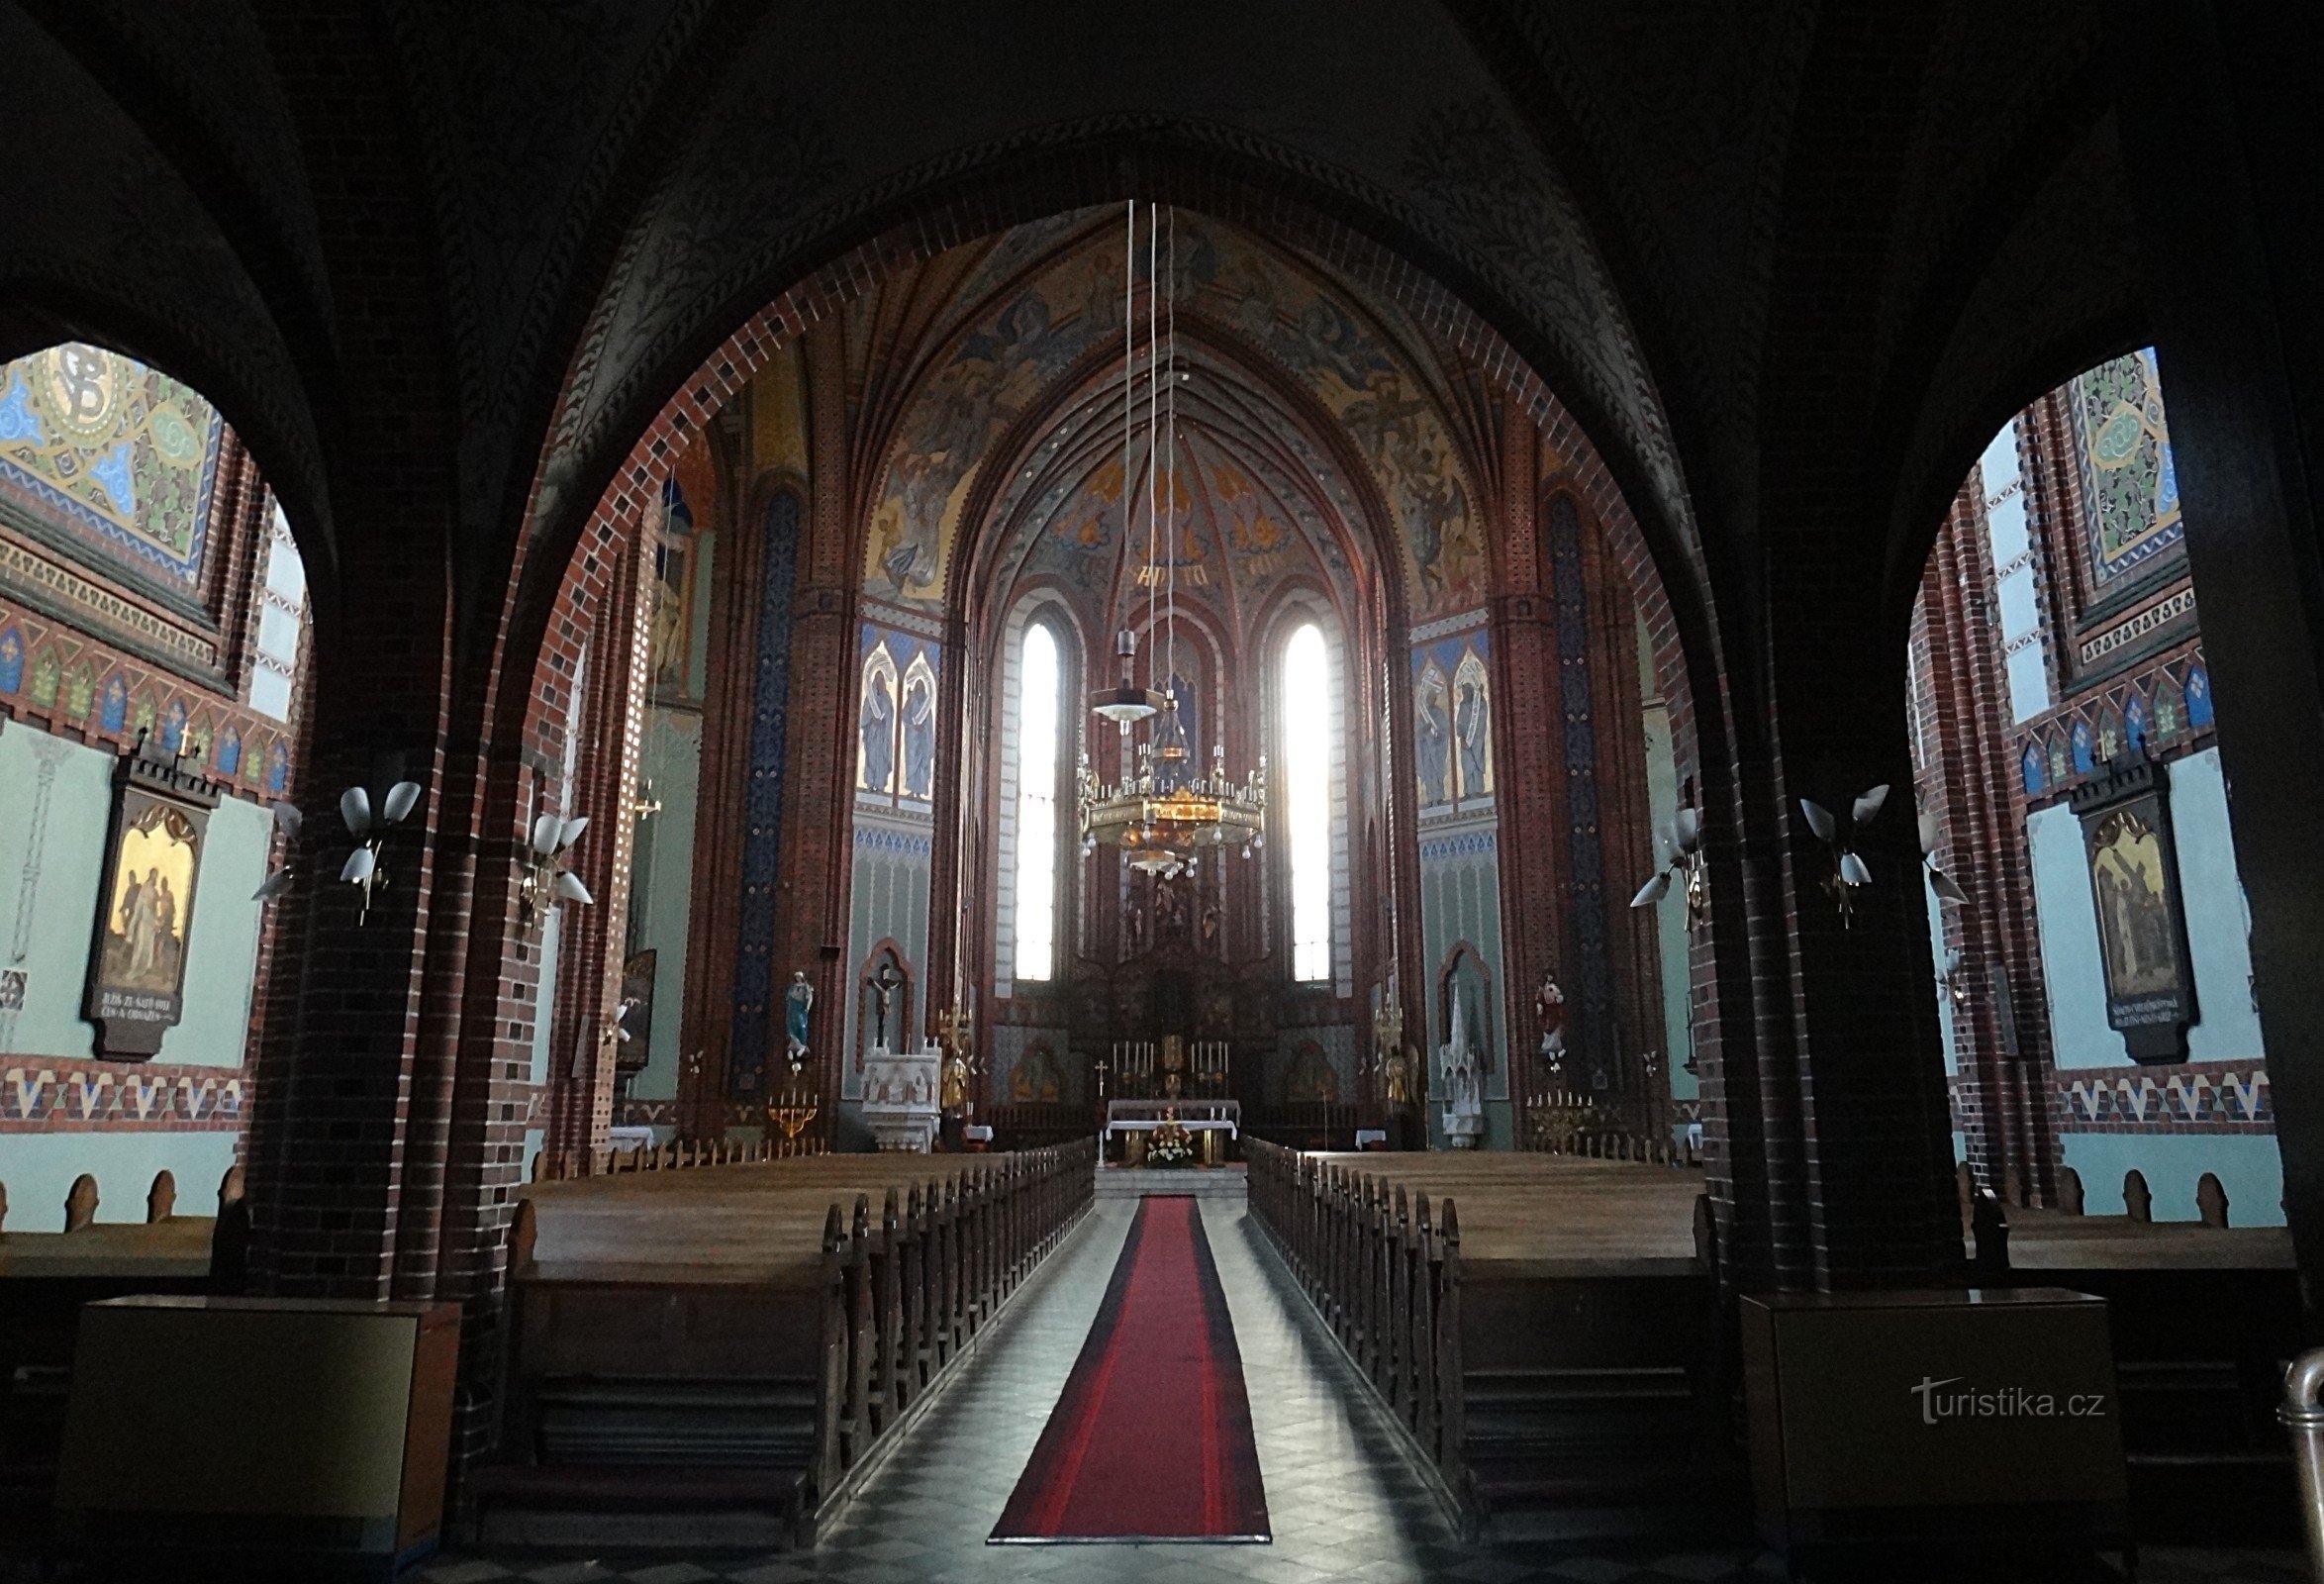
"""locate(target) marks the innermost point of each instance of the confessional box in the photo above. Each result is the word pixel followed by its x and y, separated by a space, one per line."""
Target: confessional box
pixel 1943 1417
pixel 257 1426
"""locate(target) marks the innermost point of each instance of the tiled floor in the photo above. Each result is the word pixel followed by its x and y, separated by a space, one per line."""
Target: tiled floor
pixel 1345 1508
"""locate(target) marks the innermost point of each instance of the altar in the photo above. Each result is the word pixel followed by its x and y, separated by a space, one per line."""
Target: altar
pixel 1194 1116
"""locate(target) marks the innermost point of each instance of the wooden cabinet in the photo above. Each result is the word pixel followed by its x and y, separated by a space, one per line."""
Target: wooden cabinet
pixel 257 1425
pixel 1954 1417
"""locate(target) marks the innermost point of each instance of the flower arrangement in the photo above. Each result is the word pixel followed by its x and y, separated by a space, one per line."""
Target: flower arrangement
pixel 1169 1145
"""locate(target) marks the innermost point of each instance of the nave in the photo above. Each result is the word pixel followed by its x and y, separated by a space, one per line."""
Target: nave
pixel 1345 1501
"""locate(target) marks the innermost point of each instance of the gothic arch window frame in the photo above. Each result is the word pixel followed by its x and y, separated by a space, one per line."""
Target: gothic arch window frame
pixel 1447 970
pixel 1298 608
pixel 1047 609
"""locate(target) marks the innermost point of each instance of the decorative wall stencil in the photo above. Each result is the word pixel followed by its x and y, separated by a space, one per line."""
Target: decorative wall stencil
pixel 111 455
pixel 62 683
pixel 2127 469
pixel 146 905
pixel 2166 1098
pixel 51 1094
pixel 1585 847
pixel 2142 927
pixel 762 831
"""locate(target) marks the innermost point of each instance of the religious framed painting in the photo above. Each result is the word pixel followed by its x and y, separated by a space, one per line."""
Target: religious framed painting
pixel 2142 924
pixel 145 903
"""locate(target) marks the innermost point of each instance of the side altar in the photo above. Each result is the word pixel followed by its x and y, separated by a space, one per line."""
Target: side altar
pixel 902 1091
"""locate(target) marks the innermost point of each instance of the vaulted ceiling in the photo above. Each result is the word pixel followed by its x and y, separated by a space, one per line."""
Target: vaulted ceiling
pixel 441 262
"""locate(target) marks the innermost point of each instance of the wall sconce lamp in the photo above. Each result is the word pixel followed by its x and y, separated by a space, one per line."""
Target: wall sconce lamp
pixel 1677 848
pixel 1850 875
pixel 1944 885
pixel 370 830
pixel 287 819
pixel 546 880
pixel 1953 981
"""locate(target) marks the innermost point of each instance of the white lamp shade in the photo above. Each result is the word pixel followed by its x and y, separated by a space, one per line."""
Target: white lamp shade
pixel 360 865
pixel 1870 804
pixel 1652 891
pixel 571 831
pixel 273 886
pixel 544 833
pixel 570 888
pixel 1819 819
pixel 354 806
pixel 1853 871
pixel 1947 889
pixel 400 799
pixel 287 817
pixel 1687 829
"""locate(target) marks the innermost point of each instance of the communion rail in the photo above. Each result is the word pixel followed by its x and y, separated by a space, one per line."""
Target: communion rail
pixel 755 1397
pixel 1387 1280
pixel 676 1155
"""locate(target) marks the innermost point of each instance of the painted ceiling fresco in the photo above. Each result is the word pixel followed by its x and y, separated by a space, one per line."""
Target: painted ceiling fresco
pixel 116 456
pixel 1029 320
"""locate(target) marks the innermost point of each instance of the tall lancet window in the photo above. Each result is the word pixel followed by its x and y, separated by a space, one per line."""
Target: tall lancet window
pixel 1034 898
pixel 1307 710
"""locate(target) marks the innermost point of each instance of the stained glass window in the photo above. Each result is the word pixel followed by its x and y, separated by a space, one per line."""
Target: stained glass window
pixel 1034 890
pixel 1306 805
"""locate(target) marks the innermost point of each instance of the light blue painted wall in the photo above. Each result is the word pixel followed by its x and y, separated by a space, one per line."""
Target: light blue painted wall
pixel 1669 914
pixel 39 1167
pixel 56 804
pixel 1459 900
pixel 2219 927
pixel 545 1017
pixel 671 758
pixel 2247 1165
pixel 889 900
pixel 48 905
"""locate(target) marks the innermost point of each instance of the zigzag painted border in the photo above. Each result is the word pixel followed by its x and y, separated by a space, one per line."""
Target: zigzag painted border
pixel 60 1094
pixel 2188 1097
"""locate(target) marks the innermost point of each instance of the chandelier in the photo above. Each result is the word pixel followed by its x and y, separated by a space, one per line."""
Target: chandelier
pixel 1163 813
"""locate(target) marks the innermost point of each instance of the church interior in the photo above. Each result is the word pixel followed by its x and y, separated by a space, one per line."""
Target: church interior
pixel 1470 790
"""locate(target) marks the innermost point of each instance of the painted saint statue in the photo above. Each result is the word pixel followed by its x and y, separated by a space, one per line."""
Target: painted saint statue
pixel 1471 723
pixel 798 1003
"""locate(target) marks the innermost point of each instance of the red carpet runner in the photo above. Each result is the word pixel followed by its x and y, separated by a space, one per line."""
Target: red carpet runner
pixel 1152 1439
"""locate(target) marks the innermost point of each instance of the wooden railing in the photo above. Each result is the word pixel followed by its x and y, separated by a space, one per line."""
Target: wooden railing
pixel 906 1296
pixel 674 1156
pixel 1036 1124
pixel 1385 1277
pixel 1568 1122
pixel 1314 1124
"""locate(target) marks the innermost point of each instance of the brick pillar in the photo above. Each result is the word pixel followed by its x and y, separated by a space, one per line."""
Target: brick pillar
pixel 1970 782
pixel 819 794
pixel 715 909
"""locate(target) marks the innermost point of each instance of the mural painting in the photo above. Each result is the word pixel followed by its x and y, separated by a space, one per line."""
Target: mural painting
pixel 1452 708
pixel 896 716
pixel 121 454
pixel 2128 475
pixel 1010 355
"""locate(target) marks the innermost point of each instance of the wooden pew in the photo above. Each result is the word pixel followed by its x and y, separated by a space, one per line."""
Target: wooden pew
pixel 46 1279
pixel 718 1358
pixel 1550 1365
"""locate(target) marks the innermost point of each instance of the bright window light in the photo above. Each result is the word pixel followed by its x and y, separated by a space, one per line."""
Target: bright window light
pixel 1306 806
pixel 1035 894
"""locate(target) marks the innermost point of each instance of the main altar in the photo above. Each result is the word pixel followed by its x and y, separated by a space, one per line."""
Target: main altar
pixel 1170 1087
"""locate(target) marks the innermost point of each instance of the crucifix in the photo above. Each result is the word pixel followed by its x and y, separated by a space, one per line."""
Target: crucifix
pixel 884 985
